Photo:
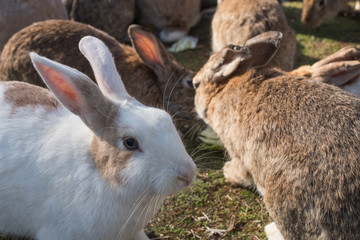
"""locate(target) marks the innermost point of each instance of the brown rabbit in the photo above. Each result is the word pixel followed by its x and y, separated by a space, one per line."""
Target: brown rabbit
pixel 113 17
pixel 17 14
pixel 171 18
pixel 236 21
pixel 294 138
pixel 151 73
pixel 315 12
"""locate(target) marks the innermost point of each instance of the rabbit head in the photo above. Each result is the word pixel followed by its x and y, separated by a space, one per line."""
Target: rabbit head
pixel 316 12
pixel 233 59
pixel 129 125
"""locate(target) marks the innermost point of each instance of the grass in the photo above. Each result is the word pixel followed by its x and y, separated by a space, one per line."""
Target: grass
pixel 211 208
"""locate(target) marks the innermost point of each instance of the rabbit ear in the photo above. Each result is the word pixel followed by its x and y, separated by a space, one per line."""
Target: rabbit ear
pixel 104 67
pixel 345 54
pixel 73 89
pixel 263 48
pixel 229 60
pixel 149 48
pixel 336 73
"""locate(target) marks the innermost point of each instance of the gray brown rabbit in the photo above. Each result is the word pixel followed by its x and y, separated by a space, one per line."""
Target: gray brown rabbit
pixel 294 138
pixel 315 12
pixel 151 74
pixel 17 14
pixel 236 21
pixel 113 17
pixel 172 19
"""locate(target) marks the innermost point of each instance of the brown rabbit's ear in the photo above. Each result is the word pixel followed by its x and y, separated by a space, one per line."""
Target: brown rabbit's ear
pixel 228 60
pixel 149 48
pixel 263 48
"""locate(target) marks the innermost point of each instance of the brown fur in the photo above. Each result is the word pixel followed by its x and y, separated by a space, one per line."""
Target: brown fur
pixel 236 21
pixel 21 94
pixel 58 40
pixel 17 14
pixel 113 17
pixel 297 140
pixel 168 15
pixel 108 158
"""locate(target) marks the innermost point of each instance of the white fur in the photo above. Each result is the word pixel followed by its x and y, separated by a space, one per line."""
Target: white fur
pixel 171 36
pixel 272 232
pixel 50 187
pixel 98 55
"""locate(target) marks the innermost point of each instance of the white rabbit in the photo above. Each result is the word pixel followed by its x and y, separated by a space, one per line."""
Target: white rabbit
pixel 96 166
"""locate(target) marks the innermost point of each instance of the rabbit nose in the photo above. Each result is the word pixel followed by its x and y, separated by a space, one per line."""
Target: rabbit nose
pixel 187 179
pixel 188 175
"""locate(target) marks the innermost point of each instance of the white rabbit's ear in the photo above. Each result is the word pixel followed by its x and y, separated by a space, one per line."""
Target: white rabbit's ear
pixel 263 48
pixel 73 89
pixel 104 68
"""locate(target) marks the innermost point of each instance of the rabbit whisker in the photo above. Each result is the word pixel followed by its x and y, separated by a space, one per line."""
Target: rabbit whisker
pixel 196 149
pixel 167 83
pixel 141 199
pixel 172 90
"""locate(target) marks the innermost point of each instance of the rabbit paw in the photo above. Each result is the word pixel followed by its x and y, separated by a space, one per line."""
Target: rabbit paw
pixel 272 232
pixel 237 175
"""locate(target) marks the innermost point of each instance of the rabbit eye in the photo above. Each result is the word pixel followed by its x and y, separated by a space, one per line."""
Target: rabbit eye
pixel 197 85
pixel 322 3
pixel 131 143
pixel 187 83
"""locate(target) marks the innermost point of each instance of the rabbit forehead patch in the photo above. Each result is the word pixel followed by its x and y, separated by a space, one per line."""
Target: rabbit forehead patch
pixel 22 95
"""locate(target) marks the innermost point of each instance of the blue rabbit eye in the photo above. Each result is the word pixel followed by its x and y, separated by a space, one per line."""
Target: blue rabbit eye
pixel 131 143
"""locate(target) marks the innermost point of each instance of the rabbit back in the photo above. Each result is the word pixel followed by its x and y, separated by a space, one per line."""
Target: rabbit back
pixel 171 18
pixel 236 21
pixel 113 17
pixel 15 15
pixel 58 40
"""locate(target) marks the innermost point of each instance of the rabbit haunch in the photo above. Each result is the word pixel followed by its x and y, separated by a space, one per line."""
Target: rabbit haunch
pixel 295 139
pixel 72 159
